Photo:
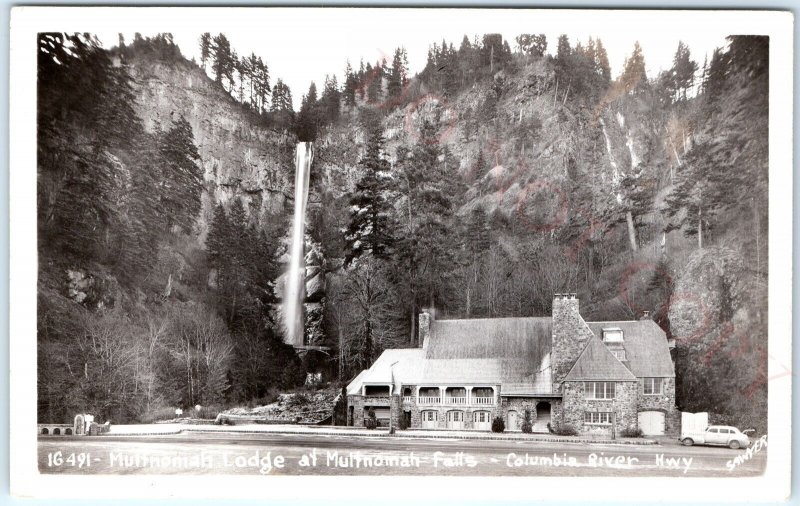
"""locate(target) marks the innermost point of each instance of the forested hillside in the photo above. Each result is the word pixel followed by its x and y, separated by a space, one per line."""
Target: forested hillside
pixel 480 186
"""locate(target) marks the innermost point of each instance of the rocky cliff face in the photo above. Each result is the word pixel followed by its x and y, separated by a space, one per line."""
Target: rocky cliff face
pixel 239 157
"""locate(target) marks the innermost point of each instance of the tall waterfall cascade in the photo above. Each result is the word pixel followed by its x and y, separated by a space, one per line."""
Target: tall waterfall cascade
pixel 294 291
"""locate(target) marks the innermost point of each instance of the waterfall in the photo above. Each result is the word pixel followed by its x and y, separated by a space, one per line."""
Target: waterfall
pixel 294 292
pixel 615 176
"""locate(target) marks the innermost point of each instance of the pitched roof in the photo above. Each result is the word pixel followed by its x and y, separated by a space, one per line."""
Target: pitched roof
pixel 523 338
pixel 646 347
pixel 596 363
pixel 354 387
pixel 474 351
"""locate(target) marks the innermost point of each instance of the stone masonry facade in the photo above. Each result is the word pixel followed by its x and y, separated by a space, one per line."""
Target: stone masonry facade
pixel 665 403
pixel 623 405
pixel 567 401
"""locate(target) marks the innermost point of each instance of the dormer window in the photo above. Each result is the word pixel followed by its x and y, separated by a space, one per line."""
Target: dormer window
pixel 612 335
pixel 620 354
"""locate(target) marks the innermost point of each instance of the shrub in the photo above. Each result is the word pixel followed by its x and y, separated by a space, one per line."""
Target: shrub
pixel 564 430
pixel 370 421
pixel 498 425
pixel 527 428
pixel 631 432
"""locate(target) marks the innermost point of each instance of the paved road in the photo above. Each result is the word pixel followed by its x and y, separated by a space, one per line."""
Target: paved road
pixel 199 453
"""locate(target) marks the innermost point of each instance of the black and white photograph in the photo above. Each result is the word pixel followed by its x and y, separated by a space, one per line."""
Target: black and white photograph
pixel 401 243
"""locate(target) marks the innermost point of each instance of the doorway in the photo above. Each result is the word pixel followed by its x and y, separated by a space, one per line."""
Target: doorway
pixel 543 417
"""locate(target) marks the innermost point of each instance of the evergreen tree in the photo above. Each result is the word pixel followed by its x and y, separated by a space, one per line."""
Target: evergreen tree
pixel 375 82
pixel 730 150
pixel 370 229
pixel 182 178
pixel 350 86
pixel 86 122
pixel 308 117
pixel 634 75
pixel 398 74
pixel 602 65
pixel 205 49
pixel 223 65
pixel 683 70
pixel 331 99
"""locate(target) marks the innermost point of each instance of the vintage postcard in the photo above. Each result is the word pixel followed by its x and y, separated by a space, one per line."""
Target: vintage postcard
pixel 254 250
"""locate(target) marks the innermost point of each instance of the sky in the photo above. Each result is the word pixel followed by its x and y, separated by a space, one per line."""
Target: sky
pixel 303 46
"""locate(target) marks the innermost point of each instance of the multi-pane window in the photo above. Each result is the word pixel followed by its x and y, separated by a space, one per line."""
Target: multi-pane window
pixel 620 354
pixel 596 418
pixel 652 386
pixel 429 416
pixel 612 335
pixel 482 416
pixel 599 389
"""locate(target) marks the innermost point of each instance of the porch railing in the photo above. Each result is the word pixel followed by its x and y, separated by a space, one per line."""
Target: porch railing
pixel 427 400
pixel 458 401
pixel 483 401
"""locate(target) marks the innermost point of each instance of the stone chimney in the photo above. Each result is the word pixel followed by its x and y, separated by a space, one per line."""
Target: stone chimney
pixel 570 335
pixel 426 317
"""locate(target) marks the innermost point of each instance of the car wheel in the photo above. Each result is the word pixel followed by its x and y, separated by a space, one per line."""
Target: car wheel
pixel 688 442
pixel 734 445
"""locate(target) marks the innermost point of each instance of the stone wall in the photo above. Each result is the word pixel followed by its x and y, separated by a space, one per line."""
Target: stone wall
pixel 570 335
pixel 664 403
pixel 624 405
pixel 357 403
pixel 520 404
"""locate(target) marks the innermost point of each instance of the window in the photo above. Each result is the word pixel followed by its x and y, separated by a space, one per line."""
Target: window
pixel 595 418
pixel 620 354
pixel 652 386
pixel 429 416
pixel 612 335
pixel 482 416
pixel 599 389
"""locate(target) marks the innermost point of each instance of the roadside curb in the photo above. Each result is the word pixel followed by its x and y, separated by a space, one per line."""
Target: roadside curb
pixel 433 435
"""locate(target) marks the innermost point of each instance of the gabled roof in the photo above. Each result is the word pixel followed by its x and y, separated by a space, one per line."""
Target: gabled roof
pixel 646 347
pixel 523 338
pixel 473 351
pixel 354 387
pixel 597 363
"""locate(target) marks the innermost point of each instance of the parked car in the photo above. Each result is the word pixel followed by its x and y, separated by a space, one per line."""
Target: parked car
pixel 722 435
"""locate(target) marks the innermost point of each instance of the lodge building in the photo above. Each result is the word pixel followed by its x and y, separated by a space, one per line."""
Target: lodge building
pixel 558 370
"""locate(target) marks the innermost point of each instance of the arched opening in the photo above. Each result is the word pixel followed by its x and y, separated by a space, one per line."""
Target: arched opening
pixel 68 432
pixel 543 417
pixel 482 420
pixel 56 431
pixel 429 419
pixel 45 431
pixel 455 420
